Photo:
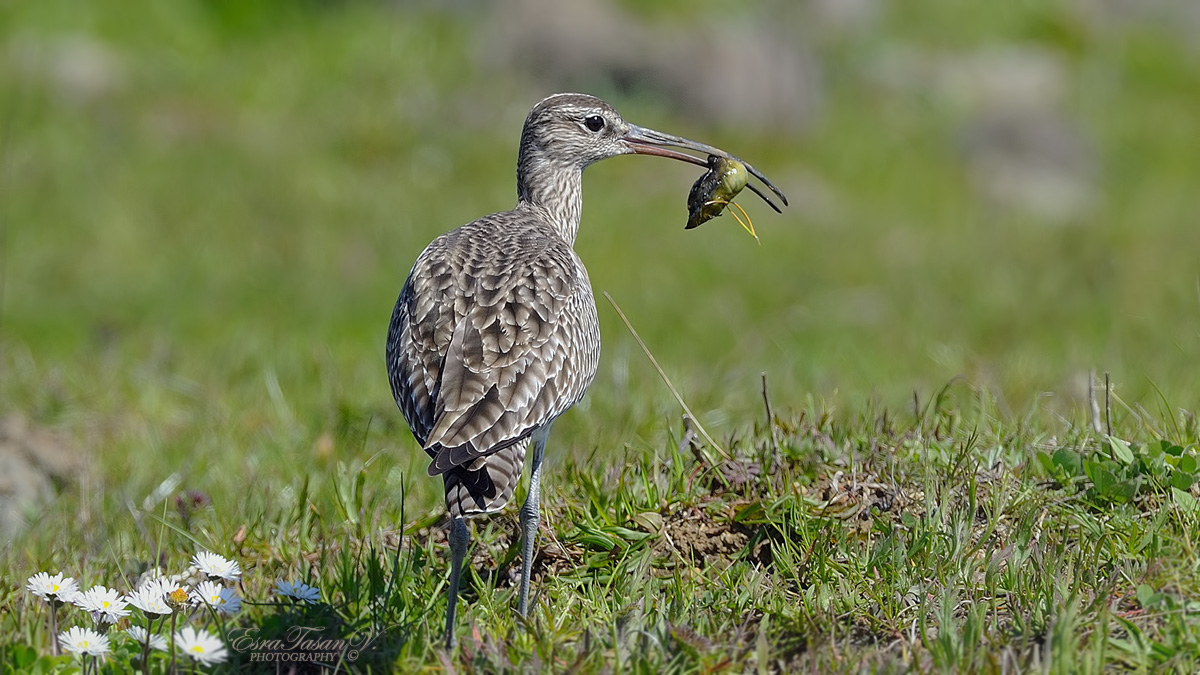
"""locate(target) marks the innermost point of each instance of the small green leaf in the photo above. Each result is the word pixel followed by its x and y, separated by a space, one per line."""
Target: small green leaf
pixel 1121 450
pixel 1171 449
pixel 1181 480
pixel 1047 463
pixel 1102 479
pixel 1188 464
pixel 1069 460
pixel 1187 503
pixel 23 656
pixel 649 521
pixel 1124 491
pixel 595 538
pixel 1146 596
pixel 597 541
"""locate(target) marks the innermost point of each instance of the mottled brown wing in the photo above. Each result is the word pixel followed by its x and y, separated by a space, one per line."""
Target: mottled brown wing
pixel 494 335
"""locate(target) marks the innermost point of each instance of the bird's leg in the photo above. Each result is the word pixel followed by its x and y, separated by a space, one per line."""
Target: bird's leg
pixel 530 519
pixel 460 538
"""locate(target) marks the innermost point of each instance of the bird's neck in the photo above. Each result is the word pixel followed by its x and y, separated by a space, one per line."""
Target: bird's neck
pixel 556 189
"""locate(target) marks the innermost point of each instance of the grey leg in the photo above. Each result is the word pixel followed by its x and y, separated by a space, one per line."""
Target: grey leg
pixel 460 538
pixel 531 516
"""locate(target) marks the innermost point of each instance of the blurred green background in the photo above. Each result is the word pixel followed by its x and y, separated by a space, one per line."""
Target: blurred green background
pixel 207 209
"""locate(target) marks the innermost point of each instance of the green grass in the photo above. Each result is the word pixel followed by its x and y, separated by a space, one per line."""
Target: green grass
pixel 198 265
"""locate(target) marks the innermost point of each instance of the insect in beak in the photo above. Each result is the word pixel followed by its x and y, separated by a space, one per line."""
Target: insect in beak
pixel 643 141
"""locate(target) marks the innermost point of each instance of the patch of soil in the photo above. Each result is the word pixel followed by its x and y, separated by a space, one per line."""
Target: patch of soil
pixel 700 539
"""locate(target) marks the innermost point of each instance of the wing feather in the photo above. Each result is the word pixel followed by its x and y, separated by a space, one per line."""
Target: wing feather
pixel 494 335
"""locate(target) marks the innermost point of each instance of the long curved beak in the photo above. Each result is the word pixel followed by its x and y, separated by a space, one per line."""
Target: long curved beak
pixel 643 141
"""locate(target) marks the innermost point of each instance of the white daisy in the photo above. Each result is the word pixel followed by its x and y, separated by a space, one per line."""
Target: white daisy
pixel 151 596
pixel 298 591
pixel 139 636
pixel 50 588
pixel 201 646
pixel 104 604
pixel 224 600
pixel 215 567
pixel 83 641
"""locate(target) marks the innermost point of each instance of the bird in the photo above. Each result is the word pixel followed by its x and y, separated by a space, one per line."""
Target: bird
pixel 495 332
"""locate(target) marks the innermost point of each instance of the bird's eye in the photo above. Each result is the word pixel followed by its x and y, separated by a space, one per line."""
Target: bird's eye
pixel 594 122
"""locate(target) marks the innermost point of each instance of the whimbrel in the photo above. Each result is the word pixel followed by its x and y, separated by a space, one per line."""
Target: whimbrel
pixel 495 332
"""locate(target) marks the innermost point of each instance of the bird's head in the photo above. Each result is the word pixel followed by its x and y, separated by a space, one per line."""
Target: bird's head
pixel 573 129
